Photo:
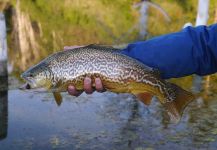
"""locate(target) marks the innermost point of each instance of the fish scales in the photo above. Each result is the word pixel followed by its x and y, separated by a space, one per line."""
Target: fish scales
pixel 113 65
pixel 118 72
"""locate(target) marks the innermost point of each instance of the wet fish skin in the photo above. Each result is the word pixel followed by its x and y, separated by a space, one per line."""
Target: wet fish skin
pixel 73 65
pixel 119 73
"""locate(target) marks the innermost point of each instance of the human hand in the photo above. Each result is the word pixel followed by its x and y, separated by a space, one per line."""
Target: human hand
pixel 87 82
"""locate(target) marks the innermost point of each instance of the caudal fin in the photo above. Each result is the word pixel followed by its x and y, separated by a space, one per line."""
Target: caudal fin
pixel 176 107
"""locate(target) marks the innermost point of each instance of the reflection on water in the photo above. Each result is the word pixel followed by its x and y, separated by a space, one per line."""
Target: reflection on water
pixel 104 121
pixel 3 107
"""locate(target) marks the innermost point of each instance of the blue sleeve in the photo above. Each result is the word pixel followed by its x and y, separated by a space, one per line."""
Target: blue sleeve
pixel 190 51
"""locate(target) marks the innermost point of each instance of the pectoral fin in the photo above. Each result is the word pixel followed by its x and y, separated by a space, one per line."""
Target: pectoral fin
pixel 58 98
pixel 145 98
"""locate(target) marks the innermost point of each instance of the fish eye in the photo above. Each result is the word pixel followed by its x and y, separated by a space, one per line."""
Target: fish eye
pixel 30 75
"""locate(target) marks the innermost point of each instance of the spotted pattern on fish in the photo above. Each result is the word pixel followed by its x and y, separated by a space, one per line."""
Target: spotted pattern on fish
pixel 72 66
pixel 118 73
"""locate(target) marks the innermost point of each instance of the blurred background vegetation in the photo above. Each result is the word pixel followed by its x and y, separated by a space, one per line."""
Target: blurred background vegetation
pixel 37 28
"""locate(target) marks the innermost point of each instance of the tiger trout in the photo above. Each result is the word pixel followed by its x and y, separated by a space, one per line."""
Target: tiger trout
pixel 118 73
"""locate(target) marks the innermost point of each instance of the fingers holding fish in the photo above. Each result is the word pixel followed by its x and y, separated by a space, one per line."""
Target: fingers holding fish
pixel 73 91
pixel 99 85
pixel 88 85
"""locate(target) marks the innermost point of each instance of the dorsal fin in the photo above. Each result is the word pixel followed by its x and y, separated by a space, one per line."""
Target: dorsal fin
pixel 101 47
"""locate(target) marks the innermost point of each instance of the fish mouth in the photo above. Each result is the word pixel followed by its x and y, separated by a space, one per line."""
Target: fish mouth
pixel 28 87
pixel 25 86
pixel 30 83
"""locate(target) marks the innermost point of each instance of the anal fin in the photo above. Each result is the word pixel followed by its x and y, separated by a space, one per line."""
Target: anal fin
pixel 58 98
pixel 145 98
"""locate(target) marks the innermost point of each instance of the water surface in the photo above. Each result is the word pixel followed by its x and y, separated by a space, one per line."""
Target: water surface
pixel 102 121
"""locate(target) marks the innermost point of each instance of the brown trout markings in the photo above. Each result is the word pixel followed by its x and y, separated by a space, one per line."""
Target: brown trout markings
pixel 107 69
pixel 119 73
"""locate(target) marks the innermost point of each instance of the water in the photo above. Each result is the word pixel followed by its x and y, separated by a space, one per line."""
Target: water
pixel 102 121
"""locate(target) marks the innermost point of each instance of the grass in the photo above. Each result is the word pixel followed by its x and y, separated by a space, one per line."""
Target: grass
pixel 78 22
pixel 81 22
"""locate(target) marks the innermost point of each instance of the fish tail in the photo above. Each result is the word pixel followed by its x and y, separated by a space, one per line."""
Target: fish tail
pixel 176 106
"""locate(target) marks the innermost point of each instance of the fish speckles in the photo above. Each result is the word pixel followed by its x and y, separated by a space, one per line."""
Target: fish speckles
pixel 118 73
pixel 68 66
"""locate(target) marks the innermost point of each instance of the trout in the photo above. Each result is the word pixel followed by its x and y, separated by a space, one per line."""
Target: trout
pixel 118 73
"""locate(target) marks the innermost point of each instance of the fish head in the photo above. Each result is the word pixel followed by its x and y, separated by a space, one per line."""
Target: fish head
pixel 37 77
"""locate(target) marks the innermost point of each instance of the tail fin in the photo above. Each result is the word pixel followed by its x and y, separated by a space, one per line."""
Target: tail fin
pixel 176 107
